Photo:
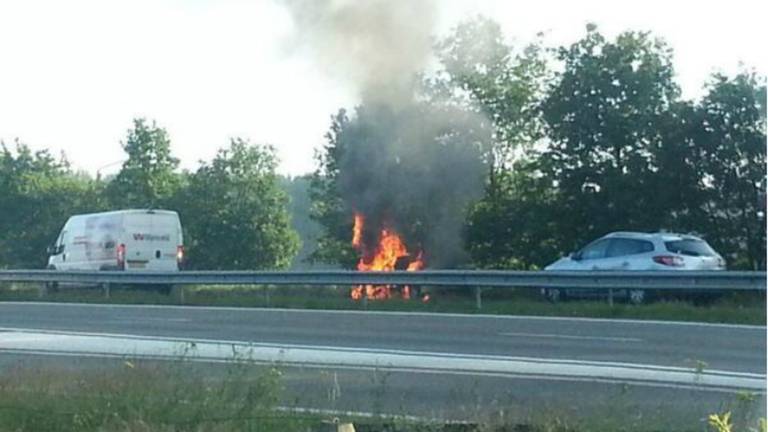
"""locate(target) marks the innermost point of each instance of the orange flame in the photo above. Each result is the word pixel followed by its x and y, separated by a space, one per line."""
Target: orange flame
pixel 389 249
pixel 417 264
pixel 357 231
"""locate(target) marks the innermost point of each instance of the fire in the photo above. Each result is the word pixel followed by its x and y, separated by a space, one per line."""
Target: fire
pixel 389 250
pixel 357 231
pixel 417 264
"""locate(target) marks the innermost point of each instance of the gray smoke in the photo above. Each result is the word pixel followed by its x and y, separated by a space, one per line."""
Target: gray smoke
pixel 415 169
pixel 405 163
pixel 377 46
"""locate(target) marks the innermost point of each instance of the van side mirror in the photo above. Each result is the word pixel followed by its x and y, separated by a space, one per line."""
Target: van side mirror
pixel 54 249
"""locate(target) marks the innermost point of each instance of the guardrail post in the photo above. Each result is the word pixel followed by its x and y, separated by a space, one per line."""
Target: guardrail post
pixel 106 290
pixel 266 295
pixel 610 297
pixel 182 288
pixel 42 291
pixel 478 298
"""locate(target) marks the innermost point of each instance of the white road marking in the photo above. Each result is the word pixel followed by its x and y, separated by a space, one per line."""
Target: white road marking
pixel 361 414
pixel 575 337
pixel 185 340
pixel 392 313
pixel 378 368
pixel 101 345
pixel 251 344
pixel 150 319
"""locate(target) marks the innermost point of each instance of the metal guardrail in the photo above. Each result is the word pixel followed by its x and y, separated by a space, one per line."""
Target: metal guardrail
pixel 476 279
pixel 654 280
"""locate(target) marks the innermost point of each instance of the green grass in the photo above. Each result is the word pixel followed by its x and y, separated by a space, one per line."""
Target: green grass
pixel 139 397
pixel 133 395
pixel 741 308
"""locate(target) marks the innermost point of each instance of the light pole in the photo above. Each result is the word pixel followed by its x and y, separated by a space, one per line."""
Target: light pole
pixel 98 170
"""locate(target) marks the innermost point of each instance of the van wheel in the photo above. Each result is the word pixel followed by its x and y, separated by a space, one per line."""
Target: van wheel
pixel 636 296
pixel 554 295
pixel 51 287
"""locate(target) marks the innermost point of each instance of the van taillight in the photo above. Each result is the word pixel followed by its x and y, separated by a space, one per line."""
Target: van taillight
pixel 179 254
pixel 121 257
pixel 669 260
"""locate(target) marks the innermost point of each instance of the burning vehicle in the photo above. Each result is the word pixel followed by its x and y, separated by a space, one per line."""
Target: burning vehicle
pixel 388 253
pixel 405 176
pixel 405 163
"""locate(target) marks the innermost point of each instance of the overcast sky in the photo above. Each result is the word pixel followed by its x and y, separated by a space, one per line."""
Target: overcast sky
pixel 74 73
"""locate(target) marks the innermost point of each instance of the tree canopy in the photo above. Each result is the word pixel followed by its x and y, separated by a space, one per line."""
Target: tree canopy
pixel 147 178
pixel 506 157
pixel 233 209
pixel 623 151
pixel 38 193
pixel 235 214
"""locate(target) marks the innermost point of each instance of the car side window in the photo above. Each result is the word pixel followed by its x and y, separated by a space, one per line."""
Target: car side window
pixel 622 247
pixel 595 250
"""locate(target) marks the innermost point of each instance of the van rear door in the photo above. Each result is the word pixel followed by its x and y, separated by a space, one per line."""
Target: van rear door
pixel 151 240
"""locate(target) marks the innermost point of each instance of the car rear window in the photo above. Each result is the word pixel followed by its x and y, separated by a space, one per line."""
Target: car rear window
pixel 690 247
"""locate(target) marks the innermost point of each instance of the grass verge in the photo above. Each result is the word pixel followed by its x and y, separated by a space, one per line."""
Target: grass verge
pixel 133 395
pixel 138 397
pixel 738 308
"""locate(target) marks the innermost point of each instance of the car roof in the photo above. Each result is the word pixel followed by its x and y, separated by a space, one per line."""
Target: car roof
pixel 664 236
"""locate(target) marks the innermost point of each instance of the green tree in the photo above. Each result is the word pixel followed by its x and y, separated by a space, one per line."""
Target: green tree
pixel 300 205
pixel 508 227
pixel 147 178
pixel 604 117
pixel 502 84
pixel 39 193
pixel 733 117
pixel 676 169
pixel 328 209
pixel 514 227
pixel 624 152
pixel 235 214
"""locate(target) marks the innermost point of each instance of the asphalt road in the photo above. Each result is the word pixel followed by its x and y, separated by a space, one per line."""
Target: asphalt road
pixel 441 365
pixel 724 347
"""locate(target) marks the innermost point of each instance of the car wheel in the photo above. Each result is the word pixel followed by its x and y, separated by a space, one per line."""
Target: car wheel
pixel 554 295
pixel 636 296
pixel 164 289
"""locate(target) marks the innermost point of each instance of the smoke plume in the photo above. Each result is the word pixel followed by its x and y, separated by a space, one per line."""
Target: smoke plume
pixel 405 161
pixel 377 46
pixel 413 169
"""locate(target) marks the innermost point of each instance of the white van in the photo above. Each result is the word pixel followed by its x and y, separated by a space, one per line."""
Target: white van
pixel 130 240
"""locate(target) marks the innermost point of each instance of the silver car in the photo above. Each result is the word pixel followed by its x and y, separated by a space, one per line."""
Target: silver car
pixel 629 251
